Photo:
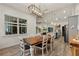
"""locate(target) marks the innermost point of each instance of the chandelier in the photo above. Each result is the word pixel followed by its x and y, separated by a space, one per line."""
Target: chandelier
pixel 35 10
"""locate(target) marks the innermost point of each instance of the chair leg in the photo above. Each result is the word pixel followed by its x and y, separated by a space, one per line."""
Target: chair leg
pixel 23 54
pixel 35 50
pixel 42 52
pixel 46 50
pixel 51 46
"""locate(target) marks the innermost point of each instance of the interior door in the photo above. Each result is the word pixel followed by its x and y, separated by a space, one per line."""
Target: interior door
pixel 62 30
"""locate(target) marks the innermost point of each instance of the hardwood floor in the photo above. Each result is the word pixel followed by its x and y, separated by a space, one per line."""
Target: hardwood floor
pixel 59 49
pixel 10 51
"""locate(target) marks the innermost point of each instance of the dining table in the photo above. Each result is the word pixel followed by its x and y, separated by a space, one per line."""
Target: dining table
pixel 35 40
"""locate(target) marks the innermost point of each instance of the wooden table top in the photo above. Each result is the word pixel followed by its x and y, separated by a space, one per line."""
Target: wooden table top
pixel 74 43
pixel 34 40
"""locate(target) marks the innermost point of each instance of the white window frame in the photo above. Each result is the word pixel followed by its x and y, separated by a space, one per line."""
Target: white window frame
pixel 18 33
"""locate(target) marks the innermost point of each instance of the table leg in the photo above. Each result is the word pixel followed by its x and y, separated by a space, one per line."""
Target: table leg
pixel 31 50
pixel 74 51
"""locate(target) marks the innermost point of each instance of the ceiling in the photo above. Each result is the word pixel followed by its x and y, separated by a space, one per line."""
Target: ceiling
pixel 58 9
pixel 43 6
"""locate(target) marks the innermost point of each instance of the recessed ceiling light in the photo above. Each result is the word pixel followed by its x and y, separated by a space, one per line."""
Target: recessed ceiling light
pixel 65 17
pixel 64 11
pixel 45 20
pixel 52 23
pixel 56 18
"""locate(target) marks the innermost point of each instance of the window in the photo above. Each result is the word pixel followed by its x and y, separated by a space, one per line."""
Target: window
pixel 15 25
pixel 50 29
pixel 22 26
pixel 10 25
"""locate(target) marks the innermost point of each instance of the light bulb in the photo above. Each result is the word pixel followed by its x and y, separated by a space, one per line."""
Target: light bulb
pixel 52 23
pixel 65 17
pixel 56 18
pixel 64 11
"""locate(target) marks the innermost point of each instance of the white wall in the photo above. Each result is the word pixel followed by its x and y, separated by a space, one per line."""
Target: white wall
pixel 7 41
pixel 77 13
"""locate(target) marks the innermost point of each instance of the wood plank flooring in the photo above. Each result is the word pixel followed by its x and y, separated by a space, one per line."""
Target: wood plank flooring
pixel 10 51
pixel 59 49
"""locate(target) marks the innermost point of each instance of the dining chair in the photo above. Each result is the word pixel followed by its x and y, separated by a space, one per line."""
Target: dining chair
pixel 43 44
pixel 50 41
pixel 25 48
